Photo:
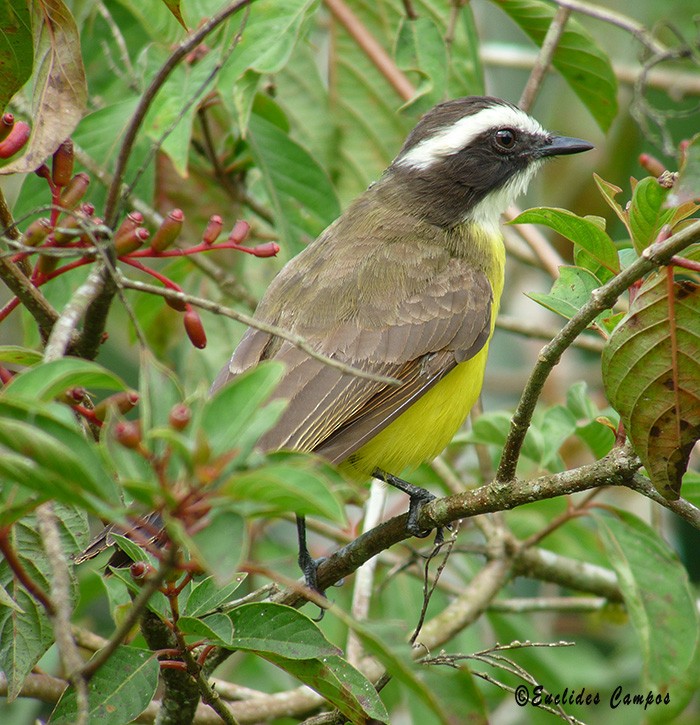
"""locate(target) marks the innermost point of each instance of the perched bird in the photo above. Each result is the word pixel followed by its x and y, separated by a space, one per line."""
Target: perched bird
pixel 405 284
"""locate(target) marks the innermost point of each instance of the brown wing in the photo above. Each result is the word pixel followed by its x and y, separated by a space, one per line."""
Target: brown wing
pixel 416 334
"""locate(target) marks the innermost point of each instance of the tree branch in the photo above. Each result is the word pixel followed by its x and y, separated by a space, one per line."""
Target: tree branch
pixel 601 299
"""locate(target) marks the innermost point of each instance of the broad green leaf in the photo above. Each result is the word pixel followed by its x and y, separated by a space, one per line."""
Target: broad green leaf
pixel 19 355
pixel 25 631
pixel 266 628
pixel 39 443
pixel 159 391
pixel 233 408
pixel 272 31
pixel 687 186
pixel 647 212
pixel 215 629
pixel 579 59
pixel 493 428
pixel 207 595
pixel 118 692
pixel 16 50
pixel 340 683
pixel 220 546
pixel 57 88
pixel 582 232
pixel 47 381
pixel 298 189
pixel 420 48
pixel 659 599
pixel 396 656
pixel 175 106
pixel 157 20
pixel 651 372
pixel 570 291
pixel 609 191
pixel 298 483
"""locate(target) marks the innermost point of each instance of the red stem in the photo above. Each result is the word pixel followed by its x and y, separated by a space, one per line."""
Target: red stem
pixel 21 573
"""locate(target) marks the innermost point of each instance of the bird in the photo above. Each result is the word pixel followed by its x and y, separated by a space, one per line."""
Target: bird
pixel 405 284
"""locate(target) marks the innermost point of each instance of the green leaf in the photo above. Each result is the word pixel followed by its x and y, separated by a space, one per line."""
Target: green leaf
pixel 159 391
pixel 215 629
pixel 208 594
pixel 19 355
pixel 47 381
pixel 118 692
pixel 570 291
pixel 582 232
pixel 271 33
pixel 301 194
pixel 420 48
pixel 221 545
pixel 234 407
pixel 396 656
pixel 25 631
pixel 339 683
pixel 651 372
pixel 658 597
pixel 46 447
pixel 493 428
pixel 609 191
pixel 266 628
pixel 579 59
pixel 647 212
pixel 57 88
pixel 687 186
pixel 299 483
pixel 16 49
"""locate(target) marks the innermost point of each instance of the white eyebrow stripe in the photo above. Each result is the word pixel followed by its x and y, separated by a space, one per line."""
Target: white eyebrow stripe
pixel 454 138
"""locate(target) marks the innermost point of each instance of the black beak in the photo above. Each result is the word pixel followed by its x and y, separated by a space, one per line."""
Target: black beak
pixel 562 145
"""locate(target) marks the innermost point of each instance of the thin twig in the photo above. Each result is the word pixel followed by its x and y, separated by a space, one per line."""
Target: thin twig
pixel 601 299
pixel 544 58
pixel 61 615
pixel 538 331
pixel 372 48
pixel 219 309
pixel 613 17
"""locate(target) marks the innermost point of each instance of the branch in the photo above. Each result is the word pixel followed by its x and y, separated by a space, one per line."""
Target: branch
pixel 98 310
pixel 372 48
pixel 61 615
pixel 218 309
pixel 616 469
pixel 601 299
pixel 544 58
pixel 537 330
pixel 614 18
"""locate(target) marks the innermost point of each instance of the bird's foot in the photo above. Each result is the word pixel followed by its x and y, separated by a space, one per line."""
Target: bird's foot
pixel 417 498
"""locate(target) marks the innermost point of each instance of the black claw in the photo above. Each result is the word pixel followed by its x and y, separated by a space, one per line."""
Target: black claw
pixel 309 565
pixel 417 498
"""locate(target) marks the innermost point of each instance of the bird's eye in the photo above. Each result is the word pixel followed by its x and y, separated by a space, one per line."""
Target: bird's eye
pixel 505 138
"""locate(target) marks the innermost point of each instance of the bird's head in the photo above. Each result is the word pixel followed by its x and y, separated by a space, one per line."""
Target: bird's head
pixel 469 158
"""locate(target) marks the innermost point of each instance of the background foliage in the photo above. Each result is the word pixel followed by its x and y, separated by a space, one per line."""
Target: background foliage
pixel 279 115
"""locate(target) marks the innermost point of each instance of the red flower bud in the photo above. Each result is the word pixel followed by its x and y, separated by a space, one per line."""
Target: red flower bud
pixel 239 232
pixel 62 168
pixel 75 191
pixel 125 243
pixel 67 230
pixel 268 249
pixel 36 232
pixel 168 231
pixel 179 305
pixel 128 433
pixel 195 329
pixel 180 416
pixel 651 164
pixel 123 402
pixel 213 230
pixel 16 139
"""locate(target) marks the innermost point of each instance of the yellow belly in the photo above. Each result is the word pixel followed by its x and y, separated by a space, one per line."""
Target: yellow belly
pixel 425 429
